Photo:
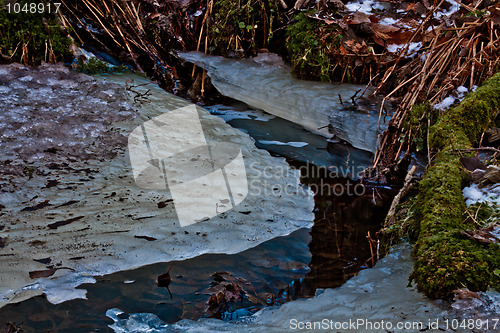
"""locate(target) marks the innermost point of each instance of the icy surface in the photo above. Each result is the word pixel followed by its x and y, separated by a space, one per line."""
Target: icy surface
pixel 376 294
pixel 68 198
pixel 269 86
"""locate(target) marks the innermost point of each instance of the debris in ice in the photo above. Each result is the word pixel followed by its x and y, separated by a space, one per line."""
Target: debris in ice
pixel 389 299
pixel 488 194
pixel 279 143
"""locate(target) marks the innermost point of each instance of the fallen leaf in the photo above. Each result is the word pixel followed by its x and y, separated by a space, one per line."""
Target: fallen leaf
pixel 55 225
pixel 41 205
pixel 43 273
pixel 472 163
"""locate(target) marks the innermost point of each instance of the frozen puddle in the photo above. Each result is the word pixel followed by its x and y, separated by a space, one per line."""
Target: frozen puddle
pixel 293 141
pixel 70 209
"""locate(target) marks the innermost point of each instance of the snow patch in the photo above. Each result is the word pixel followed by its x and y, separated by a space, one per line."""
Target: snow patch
pixel 445 103
pixel 488 194
pixel 365 6
pixel 413 47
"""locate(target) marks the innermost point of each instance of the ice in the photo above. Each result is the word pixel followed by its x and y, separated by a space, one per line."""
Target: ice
pixel 97 181
pixel 313 105
pixel 292 144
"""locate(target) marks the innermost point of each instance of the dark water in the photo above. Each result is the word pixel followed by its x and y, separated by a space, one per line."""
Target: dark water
pixel 277 271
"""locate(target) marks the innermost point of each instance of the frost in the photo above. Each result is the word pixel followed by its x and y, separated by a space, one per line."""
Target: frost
pixel 388 21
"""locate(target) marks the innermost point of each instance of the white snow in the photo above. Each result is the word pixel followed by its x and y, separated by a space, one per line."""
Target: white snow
pixel 413 47
pixel 279 143
pixel 459 93
pixel 388 21
pixel 445 103
pixel 364 6
pixel 455 6
pixel 489 194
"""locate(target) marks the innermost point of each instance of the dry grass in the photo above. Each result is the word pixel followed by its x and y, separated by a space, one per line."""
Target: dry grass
pixel 465 54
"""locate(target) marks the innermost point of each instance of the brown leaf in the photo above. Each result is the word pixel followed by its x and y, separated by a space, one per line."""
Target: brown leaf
pixel 493 174
pixel 384 28
pixel 358 18
pixel 472 163
pixel 44 273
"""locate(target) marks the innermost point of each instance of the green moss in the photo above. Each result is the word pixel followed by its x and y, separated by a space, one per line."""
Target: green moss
pixel 467 121
pixel 309 42
pixel 242 26
pixel 40 33
pixel 97 66
pixel 445 259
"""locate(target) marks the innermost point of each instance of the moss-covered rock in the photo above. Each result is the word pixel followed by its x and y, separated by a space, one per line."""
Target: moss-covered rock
pixel 32 37
pixel 445 259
